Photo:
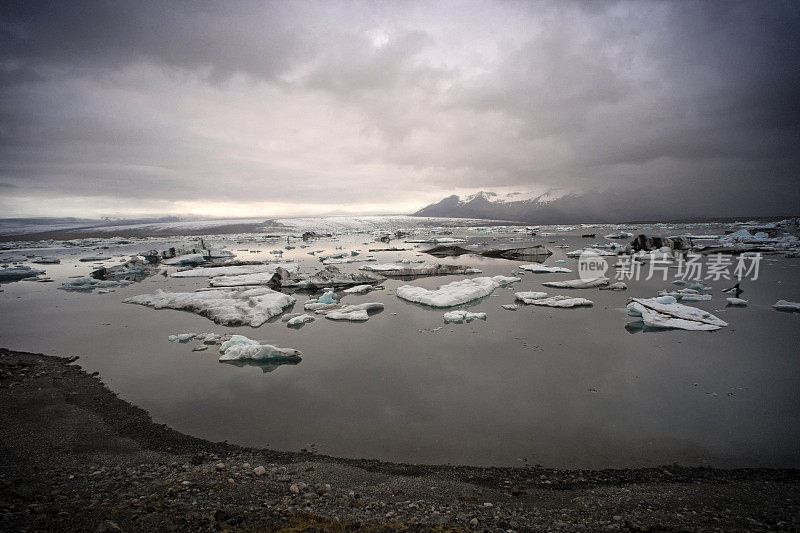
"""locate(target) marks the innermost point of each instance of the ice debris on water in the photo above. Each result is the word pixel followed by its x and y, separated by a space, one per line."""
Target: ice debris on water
pixel 18 272
pixel 665 312
pixel 455 293
pixel 459 317
pixel 560 301
pixel 526 297
pixel 405 269
pixel 252 306
pixel 544 269
pixel 736 301
pixel 300 320
pixel 783 305
pixel 617 286
pixel 580 283
pixel 236 270
pixel 89 284
pixel 352 313
pixel 239 348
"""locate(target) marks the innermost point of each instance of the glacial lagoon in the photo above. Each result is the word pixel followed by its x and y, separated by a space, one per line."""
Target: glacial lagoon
pixel 558 387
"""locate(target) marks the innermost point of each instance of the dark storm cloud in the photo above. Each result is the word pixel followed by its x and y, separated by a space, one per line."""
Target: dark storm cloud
pixel 392 104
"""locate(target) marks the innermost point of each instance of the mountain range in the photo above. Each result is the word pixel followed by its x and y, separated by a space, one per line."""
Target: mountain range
pixel 645 204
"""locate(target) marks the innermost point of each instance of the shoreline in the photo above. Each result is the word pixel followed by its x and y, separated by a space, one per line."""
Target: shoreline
pixel 76 455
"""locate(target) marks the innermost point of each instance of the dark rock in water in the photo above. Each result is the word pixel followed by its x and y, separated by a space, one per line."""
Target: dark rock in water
pixel 589 235
pixel 527 253
pixel 645 243
pixel 330 276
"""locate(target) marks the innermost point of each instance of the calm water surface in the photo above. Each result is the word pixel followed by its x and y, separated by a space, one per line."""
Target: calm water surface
pixel 557 387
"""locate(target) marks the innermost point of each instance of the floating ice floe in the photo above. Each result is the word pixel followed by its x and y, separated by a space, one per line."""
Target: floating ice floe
pixel 590 251
pixel 240 348
pixel 237 270
pixel 46 260
pixel 537 268
pixel 736 301
pixel 783 305
pixel 455 293
pixel 353 313
pixel 134 269
pixel 510 307
pixel 617 286
pixel 559 301
pixel 459 317
pixel 258 278
pixel 186 260
pixel 686 295
pixel 18 272
pixel 92 258
pixel 580 283
pixel 399 270
pixel 89 284
pixel 300 320
pixel 231 307
pixel 665 312
pixel 619 235
pixel 344 260
pixel 530 253
pixel 330 276
pixel 527 297
pixel 363 289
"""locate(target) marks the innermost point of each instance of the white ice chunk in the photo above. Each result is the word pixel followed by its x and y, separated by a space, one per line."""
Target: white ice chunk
pixel 578 283
pixel 240 348
pixel 665 312
pixel 459 317
pixel 300 320
pixel 353 313
pixel 560 301
pixel 236 270
pixel 527 297
pixel 736 301
pixel 783 305
pixel 224 306
pixel 618 286
pixel 259 278
pixel 185 260
pixel 19 272
pixel 455 293
pixel 537 268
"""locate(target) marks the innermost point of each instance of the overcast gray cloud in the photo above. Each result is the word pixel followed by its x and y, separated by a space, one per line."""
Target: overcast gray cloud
pixel 261 108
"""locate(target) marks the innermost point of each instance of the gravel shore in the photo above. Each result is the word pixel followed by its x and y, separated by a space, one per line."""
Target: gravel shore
pixel 78 458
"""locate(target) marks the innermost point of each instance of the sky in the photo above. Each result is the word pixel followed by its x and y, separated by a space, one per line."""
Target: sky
pixel 245 108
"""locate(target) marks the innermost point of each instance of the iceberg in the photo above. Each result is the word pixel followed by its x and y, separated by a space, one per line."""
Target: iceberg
pixel 619 235
pixel 665 312
pixel 46 260
pixel 686 295
pixel 237 270
pixel 228 307
pixel 259 278
pixel 396 270
pixel 618 286
pixel 18 272
pixel 590 251
pixel 531 253
pixel 455 293
pixel 528 297
pixel 300 320
pixel 578 283
pixel 185 260
pixel 362 289
pixel 458 317
pixel 330 276
pixel 537 268
pixel 89 284
pixel 560 301
pixel 353 313
pixel 240 348
pixel 783 305
pixel 736 301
